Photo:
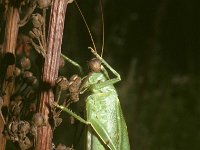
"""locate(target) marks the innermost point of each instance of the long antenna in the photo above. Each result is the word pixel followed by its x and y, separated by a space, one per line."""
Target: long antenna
pixel 86 25
pixel 102 19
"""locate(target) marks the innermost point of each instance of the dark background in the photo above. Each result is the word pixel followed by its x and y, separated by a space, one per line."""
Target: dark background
pixel 154 45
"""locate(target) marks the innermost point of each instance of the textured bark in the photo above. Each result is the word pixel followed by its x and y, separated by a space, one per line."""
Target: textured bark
pixel 50 70
pixel 9 45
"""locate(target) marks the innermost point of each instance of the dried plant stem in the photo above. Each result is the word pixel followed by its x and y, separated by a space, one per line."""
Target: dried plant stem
pixel 9 45
pixel 50 69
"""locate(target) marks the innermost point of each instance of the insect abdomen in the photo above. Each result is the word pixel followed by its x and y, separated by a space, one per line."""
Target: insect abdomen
pixel 104 107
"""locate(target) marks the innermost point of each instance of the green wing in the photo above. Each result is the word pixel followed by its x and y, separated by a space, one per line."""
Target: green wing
pixel 102 133
pixel 123 143
pixel 106 118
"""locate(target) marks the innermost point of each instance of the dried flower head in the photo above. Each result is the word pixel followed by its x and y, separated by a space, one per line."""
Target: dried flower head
pixel 74 83
pixel 62 83
pixel 17 72
pixel 16 105
pixel 35 33
pixel 13 126
pixel 61 62
pixel 25 143
pixel 43 3
pixel 27 74
pixel 74 97
pixel 32 80
pixel 61 147
pixel 25 63
pixel 37 20
pixel 38 120
pixel 24 128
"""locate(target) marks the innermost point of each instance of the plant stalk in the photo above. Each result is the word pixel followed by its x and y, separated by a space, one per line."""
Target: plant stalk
pixel 50 70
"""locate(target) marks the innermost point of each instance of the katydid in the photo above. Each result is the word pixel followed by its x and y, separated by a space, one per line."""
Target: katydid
pixel 106 127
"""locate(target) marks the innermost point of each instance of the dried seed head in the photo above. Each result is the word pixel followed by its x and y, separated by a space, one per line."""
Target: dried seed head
pixel 16 105
pixel 25 143
pixel 16 110
pixel 13 127
pixel 32 35
pixel 61 62
pixel 25 63
pixel 36 33
pixel 61 147
pixel 17 71
pixel 27 74
pixel 37 20
pixel 70 1
pixel 55 119
pixel 53 146
pixel 32 80
pixel 33 131
pixel 74 77
pixel 95 65
pixel 38 120
pixel 43 3
pixel 74 97
pixel 62 82
pixel 58 121
pixel 74 85
pixel 24 127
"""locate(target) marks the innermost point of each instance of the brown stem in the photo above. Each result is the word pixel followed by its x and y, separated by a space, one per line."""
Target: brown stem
pixel 50 69
pixel 11 32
